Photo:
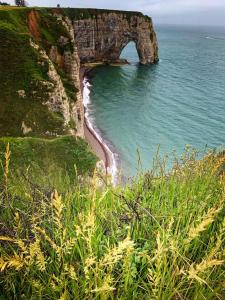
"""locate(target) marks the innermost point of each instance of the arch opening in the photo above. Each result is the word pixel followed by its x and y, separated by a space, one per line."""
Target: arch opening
pixel 129 52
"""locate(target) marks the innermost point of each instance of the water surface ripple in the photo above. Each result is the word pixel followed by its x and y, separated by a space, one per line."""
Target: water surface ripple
pixel 179 101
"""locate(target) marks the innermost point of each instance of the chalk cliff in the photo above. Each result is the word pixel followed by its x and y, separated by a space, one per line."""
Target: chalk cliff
pixel 43 50
pixel 103 36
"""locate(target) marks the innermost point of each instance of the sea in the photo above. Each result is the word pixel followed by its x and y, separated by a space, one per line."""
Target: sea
pixel 179 102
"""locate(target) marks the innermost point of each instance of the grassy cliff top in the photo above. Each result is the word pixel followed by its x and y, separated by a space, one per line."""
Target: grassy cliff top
pixel 79 13
pixel 85 13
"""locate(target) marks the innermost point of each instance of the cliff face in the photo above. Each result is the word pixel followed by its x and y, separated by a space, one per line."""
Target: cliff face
pixel 71 65
pixel 40 56
pixel 103 36
pixel 39 71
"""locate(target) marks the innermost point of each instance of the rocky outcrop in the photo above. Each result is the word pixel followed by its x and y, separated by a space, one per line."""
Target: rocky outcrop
pixel 72 67
pixel 98 36
pixel 103 35
pixel 90 36
pixel 80 36
pixel 59 101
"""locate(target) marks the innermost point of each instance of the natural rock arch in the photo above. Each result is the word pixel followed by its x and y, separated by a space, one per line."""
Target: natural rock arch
pixel 103 36
pixel 130 46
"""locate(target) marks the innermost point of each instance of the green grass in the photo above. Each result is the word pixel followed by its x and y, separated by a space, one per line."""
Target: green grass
pixel 23 68
pixel 43 160
pixel 92 13
pixel 162 237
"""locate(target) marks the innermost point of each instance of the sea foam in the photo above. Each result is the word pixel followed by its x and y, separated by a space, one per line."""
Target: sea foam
pixel 114 158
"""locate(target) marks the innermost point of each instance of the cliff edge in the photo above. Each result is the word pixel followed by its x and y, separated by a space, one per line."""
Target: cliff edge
pixel 40 56
pixel 101 35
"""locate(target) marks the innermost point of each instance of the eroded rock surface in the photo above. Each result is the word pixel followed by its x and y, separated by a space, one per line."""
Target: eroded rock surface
pixel 71 109
pixel 92 35
pixel 103 36
pixel 45 54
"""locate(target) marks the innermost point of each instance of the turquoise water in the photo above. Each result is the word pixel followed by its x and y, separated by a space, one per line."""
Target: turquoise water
pixel 179 101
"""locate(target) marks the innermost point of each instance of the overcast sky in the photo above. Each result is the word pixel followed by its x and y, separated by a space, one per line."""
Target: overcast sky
pixel 210 12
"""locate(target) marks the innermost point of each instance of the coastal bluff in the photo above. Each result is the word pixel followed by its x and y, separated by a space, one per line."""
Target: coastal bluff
pixel 104 34
pixel 43 54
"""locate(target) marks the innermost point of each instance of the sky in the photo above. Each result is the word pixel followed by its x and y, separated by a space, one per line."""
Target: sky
pixel 203 12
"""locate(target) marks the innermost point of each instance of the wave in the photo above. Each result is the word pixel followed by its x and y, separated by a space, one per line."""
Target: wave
pixel 214 38
pixel 112 169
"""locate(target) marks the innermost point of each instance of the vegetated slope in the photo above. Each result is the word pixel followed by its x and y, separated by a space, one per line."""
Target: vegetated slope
pixel 25 88
pixel 42 160
pixel 24 71
pixel 39 72
pixel 22 68
pixel 160 238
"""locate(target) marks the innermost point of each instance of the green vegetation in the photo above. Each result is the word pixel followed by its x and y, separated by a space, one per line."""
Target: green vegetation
pixel 22 68
pixel 20 3
pixel 162 237
pixel 64 155
pixel 51 30
pixel 4 3
pixel 24 93
pixel 92 13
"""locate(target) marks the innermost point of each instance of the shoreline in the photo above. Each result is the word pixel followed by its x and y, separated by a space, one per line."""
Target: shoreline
pixel 95 141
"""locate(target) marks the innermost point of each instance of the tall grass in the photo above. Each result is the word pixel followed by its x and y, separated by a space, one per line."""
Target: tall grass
pixel 162 237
